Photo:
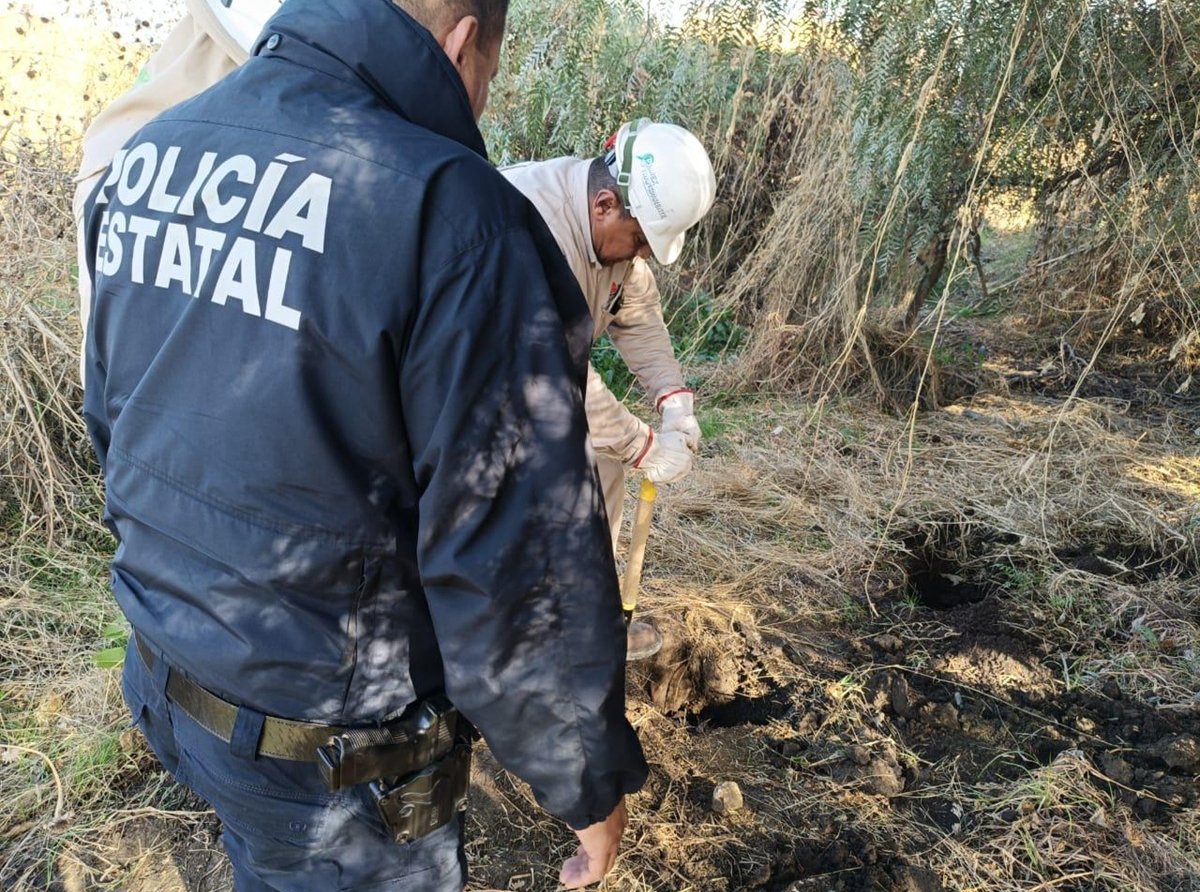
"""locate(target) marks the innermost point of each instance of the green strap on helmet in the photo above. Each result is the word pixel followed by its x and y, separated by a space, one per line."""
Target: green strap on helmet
pixel 625 164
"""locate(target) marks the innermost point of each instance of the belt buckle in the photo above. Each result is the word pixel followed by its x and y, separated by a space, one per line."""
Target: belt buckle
pixel 396 749
pixel 422 802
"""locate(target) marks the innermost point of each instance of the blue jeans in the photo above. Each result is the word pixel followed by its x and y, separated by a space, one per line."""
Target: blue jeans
pixel 283 830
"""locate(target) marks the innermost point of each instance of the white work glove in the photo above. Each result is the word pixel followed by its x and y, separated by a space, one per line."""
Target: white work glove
pixel 678 414
pixel 667 458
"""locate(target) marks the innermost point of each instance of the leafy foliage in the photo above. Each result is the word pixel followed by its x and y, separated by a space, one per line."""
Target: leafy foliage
pixel 701 332
pixel 949 106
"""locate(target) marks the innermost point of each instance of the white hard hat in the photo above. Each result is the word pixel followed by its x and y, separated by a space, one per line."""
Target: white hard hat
pixel 665 180
pixel 243 20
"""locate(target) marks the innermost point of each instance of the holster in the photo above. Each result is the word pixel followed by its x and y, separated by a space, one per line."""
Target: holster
pixel 422 802
pixel 418 767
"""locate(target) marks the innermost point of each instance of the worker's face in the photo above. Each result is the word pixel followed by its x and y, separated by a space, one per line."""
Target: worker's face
pixel 477 60
pixel 616 236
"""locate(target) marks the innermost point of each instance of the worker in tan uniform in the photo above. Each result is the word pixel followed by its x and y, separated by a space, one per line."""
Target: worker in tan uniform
pixel 212 39
pixel 609 215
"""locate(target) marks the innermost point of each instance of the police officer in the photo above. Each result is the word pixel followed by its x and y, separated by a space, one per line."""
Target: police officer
pixel 334 375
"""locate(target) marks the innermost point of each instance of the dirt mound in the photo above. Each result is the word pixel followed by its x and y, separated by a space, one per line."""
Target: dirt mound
pixel 717 680
pixel 852 863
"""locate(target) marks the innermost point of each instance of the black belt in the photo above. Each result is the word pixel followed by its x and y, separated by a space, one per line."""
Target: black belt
pixel 281 738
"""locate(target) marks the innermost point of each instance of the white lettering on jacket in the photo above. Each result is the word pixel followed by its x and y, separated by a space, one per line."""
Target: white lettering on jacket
pixel 206 250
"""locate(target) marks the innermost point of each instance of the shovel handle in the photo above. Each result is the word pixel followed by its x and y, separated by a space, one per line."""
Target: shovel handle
pixel 637 546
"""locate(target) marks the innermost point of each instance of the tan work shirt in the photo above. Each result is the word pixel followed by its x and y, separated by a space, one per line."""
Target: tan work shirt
pixel 196 54
pixel 623 299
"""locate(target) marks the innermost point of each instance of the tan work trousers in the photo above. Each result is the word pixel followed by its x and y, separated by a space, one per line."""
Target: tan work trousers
pixel 612 484
pixel 189 61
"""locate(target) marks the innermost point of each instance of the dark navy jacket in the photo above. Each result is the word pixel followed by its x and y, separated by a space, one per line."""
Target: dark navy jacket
pixel 334 377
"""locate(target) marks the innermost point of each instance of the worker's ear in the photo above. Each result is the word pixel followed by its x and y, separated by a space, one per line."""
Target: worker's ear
pixel 605 203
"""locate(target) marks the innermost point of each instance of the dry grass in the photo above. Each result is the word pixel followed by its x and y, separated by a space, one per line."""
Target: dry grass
pixel 1119 246
pixel 820 505
pixel 794 523
pixel 68 760
pixel 1108 272
pixel 45 466
pixel 762 568
pixel 765 567
pixel 47 98
pixel 1069 834
pixel 798 282
pixel 768 556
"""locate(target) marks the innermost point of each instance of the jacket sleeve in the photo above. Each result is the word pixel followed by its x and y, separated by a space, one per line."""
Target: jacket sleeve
pixel 616 432
pixel 513 547
pixel 641 337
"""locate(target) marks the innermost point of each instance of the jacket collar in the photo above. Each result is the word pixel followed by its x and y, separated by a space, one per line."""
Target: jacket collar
pixel 390 52
pixel 580 208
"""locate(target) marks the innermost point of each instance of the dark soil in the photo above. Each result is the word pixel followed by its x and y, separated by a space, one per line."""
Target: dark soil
pixel 851 862
pixel 992 704
pixel 878 720
pixel 988 707
pixel 1126 562
pixel 985 706
pixel 943 567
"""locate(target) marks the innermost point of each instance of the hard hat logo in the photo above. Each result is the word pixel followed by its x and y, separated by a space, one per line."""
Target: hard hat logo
pixel 650 181
pixel 668 200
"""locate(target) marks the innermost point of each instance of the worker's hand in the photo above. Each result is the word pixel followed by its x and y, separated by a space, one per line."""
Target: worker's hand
pixel 668 458
pixel 598 846
pixel 679 414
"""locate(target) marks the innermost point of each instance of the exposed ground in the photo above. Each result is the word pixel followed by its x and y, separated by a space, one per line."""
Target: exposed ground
pixel 953 654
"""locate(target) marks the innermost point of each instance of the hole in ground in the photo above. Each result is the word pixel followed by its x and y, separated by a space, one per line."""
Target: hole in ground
pixel 743 710
pixel 938 576
pixel 935 584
